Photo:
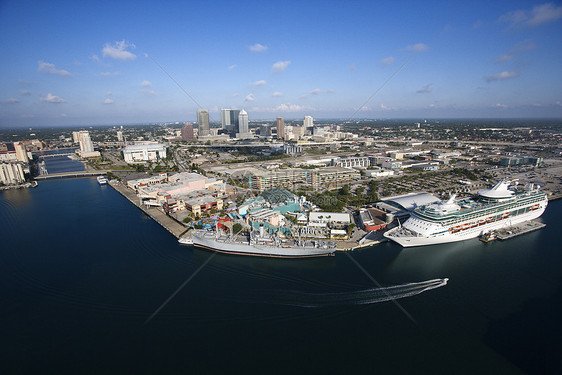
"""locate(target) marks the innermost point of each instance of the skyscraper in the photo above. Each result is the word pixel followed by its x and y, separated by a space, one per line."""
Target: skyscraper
pixel 308 122
pixel 243 122
pixel 225 118
pixel 21 152
pixel 203 122
pixel 85 141
pixel 187 132
pixel 280 128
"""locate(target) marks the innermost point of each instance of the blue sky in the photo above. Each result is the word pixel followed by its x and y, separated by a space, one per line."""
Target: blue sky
pixel 70 63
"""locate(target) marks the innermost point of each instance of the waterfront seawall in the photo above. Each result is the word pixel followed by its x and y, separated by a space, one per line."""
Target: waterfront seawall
pixel 168 223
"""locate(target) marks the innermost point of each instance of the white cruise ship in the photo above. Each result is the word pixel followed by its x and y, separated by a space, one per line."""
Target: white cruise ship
pixel 502 206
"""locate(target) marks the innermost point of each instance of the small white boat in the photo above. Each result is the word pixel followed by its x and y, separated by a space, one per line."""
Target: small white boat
pixel 102 180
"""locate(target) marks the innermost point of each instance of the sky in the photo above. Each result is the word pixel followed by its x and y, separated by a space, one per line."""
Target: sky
pixel 84 63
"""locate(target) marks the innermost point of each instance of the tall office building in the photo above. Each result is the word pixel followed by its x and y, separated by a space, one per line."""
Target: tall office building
pixel 21 152
pixel 243 123
pixel 76 137
pixel 86 144
pixel 203 122
pixel 308 122
pixel 119 136
pixel 225 118
pixel 280 128
pixel 187 133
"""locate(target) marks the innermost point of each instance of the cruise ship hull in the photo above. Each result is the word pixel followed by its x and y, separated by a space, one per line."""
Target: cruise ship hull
pixel 207 241
pixel 477 231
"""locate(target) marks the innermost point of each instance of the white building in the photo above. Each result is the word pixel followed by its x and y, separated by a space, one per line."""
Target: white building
pixel 308 121
pixel 119 136
pixel 11 173
pixel 352 162
pixel 138 153
pixel 243 122
pixel 392 164
pixel 85 141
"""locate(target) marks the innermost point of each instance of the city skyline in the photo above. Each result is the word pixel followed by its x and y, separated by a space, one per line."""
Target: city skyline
pixel 98 64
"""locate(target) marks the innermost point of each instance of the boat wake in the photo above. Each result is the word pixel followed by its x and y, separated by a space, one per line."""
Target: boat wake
pixel 361 297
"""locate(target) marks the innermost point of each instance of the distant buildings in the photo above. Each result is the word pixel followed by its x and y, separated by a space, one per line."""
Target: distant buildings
pixel 230 120
pixel 280 123
pixel 187 133
pixel 329 177
pixel 521 160
pixel 21 152
pixel 203 122
pixel 119 136
pixel 138 153
pixel 352 162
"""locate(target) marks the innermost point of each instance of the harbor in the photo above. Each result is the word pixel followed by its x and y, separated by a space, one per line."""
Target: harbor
pixel 174 227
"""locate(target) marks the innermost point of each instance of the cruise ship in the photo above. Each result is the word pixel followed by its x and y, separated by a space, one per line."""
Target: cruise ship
pixel 504 205
pixel 259 244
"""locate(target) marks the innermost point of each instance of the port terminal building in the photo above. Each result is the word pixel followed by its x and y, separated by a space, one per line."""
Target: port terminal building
pixel 401 206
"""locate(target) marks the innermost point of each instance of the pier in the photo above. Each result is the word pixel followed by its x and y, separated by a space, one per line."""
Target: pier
pixel 171 225
pixel 519 229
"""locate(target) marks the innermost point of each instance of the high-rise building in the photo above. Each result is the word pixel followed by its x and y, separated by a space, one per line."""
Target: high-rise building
pixel 308 121
pixel 21 152
pixel 86 144
pixel 203 122
pixel 225 118
pixel 76 137
pixel 243 122
pixel 11 173
pixel 119 136
pixel 187 133
pixel 280 128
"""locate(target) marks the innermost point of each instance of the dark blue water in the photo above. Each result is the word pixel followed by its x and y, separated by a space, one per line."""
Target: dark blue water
pixel 81 271
pixel 62 163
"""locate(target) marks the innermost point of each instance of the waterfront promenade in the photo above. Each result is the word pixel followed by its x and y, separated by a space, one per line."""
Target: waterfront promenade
pixel 171 225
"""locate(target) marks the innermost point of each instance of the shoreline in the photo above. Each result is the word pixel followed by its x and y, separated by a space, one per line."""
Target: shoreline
pixel 168 223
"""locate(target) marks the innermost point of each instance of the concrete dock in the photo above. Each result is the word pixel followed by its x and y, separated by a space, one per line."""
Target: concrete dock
pixel 176 228
pixel 519 229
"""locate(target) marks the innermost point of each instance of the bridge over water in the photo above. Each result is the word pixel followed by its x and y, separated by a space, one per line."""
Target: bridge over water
pixel 70 175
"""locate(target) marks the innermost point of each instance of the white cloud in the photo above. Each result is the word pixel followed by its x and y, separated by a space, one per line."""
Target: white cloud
pixel 108 101
pixel 385 108
pixel 501 76
pixel 279 66
pixel 418 47
pixel 50 98
pixel 109 93
pixel 501 106
pixel 50 68
pixel 63 115
pixel 257 48
pixel 95 58
pixel 249 98
pixel 109 74
pixel 25 92
pixel 277 93
pixel 261 82
pixel 539 15
pixel 119 51
pixel 387 61
pixel 231 67
pixel 148 92
pixel 316 92
pixel 526 45
pixel 290 108
pixel 11 101
pixel 146 84
pixel 424 90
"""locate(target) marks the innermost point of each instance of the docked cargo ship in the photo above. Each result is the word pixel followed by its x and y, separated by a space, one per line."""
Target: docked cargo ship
pixel 504 205
pixel 258 243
